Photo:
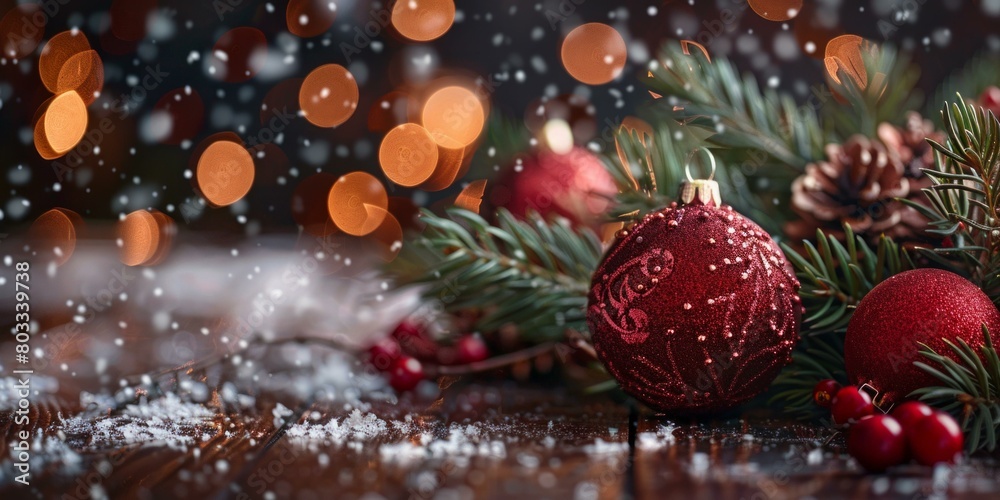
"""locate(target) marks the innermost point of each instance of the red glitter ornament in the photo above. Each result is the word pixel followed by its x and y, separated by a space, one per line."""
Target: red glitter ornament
pixel 922 305
pixel 575 185
pixel 693 309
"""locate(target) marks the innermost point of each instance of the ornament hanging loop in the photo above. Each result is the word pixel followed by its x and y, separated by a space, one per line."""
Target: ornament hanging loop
pixel 704 191
pixel 690 156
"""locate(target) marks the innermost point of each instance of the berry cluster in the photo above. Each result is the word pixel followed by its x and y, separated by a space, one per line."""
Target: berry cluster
pixel 879 441
pixel 402 355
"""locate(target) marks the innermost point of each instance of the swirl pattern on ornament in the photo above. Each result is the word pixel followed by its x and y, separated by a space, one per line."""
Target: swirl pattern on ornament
pixel 713 328
pixel 637 278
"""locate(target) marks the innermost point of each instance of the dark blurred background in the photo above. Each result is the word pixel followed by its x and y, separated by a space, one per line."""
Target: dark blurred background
pixel 513 44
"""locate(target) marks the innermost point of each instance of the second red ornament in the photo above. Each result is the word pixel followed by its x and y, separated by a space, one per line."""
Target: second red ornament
pixel 693 309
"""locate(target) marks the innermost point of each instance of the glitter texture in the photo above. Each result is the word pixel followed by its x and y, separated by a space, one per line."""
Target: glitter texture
pixel 694 309
pixel 923 305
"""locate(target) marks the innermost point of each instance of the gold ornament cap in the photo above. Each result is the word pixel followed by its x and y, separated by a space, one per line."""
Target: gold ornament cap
pixel 705 191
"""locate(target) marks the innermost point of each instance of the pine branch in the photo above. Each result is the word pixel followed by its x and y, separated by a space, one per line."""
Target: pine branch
pixel 965 194
pixel 888 94
pixel 969 390
pixel 712 95
pixel 505 138
pixel 654 168
pixel 533 273
pixel 835 276
pixel 814 359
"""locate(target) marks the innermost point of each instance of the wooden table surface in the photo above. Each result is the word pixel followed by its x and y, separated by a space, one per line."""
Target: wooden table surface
pixel 493 440
pixel 303 422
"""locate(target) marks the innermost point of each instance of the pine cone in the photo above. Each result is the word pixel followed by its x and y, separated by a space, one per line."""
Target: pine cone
pixel 857 184
pixel 910 144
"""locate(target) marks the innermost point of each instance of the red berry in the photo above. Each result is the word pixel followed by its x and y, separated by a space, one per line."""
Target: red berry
pixel 471 349
pixel 850 404
pixel 406 373
pixel 413 339
pixel 877 442
pixel 824 391
pixel 383 354
pixel 909 413
pixel 936 438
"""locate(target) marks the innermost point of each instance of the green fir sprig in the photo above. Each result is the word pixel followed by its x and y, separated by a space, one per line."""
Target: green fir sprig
pixel 965 196
pixel 835 277
pixel 531 273
pixel 649 171
pixel 969 390
pixel 711 94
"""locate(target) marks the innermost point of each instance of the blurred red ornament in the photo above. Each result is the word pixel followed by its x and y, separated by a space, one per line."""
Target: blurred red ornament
pixel 918 306
pixel 575 185
pixel 693 309
pixel 990 99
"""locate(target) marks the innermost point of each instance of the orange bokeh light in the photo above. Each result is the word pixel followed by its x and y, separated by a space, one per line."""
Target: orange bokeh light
pixel 138 237
pixel 83 73
pixel 423 20
pixel 448 168
pixel 408 155
pixel 594 53
pixel 56 52
pixel 357 203
pixel 64 122
pixel 328 96
pixel 454 116
pixel 54 234
pixel 844 53
pixel 225 173
pixel 168 231
pixel 471 198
